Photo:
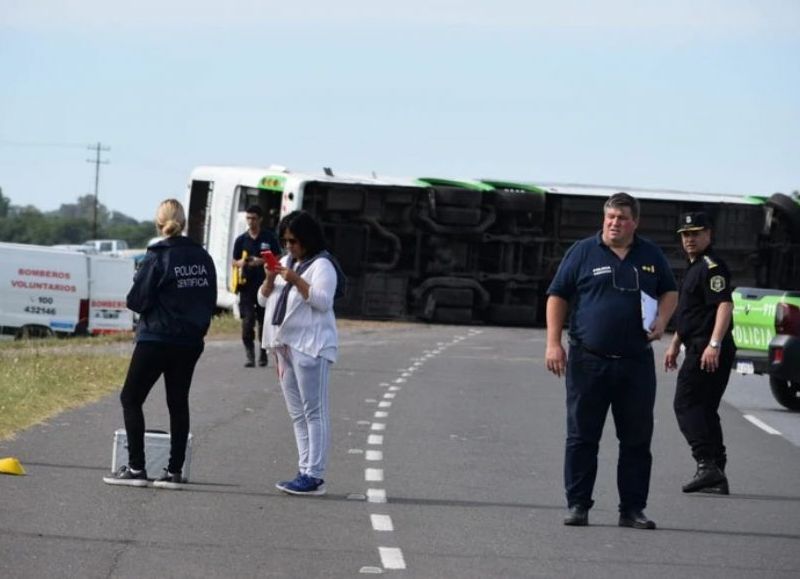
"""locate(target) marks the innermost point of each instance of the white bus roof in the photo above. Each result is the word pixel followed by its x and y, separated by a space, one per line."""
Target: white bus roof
pixel 253 175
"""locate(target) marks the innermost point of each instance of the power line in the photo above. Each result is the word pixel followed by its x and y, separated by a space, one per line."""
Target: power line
pixel 97 162
pixel 56 145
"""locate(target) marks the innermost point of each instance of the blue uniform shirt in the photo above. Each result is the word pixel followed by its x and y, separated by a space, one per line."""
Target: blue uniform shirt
pixel 255 275
pixel 604 293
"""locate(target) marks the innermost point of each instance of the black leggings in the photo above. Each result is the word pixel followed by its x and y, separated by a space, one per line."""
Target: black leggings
pixel 149 361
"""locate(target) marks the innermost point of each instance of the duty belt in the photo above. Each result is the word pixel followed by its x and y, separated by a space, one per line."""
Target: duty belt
pixel 606 355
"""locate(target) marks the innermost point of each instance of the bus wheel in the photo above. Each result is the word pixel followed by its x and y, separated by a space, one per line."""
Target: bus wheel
pixel 790 210
pixel 457 197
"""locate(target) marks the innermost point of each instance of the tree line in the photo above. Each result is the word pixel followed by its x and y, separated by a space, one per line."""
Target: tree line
pixel 72 223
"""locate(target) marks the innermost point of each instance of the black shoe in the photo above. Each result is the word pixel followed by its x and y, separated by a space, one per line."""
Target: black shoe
pixel 635 520
pixel 578 516
pixel 250 364
pixel 718 489
pixel 708 475
pixel 169 480
pixel 127 477
pixel 262 359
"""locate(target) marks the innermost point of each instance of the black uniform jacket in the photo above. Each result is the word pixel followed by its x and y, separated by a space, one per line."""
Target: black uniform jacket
pixel 175 292
pixel 707 283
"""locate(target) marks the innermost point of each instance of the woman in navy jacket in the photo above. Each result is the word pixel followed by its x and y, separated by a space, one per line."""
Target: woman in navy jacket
pixel 175 293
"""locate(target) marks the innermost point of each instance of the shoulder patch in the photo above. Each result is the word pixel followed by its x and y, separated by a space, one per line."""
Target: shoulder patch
pixel 717 283
pixel 709 262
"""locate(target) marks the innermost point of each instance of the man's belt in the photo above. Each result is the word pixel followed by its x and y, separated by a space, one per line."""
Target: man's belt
pixel 606 355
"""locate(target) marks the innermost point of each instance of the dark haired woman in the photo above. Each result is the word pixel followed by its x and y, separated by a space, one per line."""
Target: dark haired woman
pixel 300 327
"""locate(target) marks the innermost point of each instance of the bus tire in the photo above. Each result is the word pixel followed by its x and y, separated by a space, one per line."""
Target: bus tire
pixel 452 315
pixel 789 210
pixel 453 297
pixel 518 202
pixel 512 315
pixel 458 215
pixel 457 197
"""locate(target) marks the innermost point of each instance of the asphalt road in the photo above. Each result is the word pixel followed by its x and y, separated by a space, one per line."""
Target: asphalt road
pixel 446 462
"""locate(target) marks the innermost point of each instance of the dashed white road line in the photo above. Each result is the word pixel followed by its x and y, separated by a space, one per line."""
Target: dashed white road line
pixel 392 558
pixel 373 474
pixel 374 455
pixel 762 425
pixel 381 522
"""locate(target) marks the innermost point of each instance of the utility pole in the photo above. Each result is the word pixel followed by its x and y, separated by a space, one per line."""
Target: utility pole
pixel 97 162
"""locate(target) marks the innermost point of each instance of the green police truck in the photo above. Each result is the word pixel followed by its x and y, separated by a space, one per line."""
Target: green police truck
pixel 767 334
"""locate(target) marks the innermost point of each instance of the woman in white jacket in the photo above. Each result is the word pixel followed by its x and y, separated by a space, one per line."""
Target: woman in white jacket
pixel 300 327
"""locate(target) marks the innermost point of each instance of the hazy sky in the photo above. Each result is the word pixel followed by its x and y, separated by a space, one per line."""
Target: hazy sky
pixel 701 95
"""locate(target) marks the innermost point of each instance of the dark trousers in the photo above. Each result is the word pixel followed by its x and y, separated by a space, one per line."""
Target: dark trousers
pixel 252 316
pixel 628 386
pixel 697 397
pixel 149 361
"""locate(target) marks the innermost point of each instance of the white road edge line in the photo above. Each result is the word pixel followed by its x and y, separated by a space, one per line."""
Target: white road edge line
pixel 376 495
pixel 762 425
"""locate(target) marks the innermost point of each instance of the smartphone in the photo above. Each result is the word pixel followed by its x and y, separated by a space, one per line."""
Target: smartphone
pixel 270 259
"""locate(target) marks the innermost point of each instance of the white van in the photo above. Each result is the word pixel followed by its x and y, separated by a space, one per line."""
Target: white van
pixel 46 291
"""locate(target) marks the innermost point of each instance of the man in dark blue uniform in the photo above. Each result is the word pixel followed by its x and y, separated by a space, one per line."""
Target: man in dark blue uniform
pixel 252 242
pixel 704 327
pixel 607 282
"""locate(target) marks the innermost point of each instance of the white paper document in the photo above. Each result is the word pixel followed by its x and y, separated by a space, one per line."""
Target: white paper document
pixel 649 311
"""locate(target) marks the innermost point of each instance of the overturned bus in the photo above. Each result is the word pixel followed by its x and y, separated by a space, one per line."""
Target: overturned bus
pixel 474 251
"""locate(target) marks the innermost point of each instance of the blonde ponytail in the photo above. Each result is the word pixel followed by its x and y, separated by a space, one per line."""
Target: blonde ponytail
pixel 170 218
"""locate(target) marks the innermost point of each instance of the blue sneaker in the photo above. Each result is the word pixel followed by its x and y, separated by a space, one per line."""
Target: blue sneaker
pixel 304 485
pixel 284 483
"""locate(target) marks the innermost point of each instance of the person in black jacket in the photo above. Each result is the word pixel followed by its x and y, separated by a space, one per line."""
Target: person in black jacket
pixel 705 329
pixel 175 293
pixel 247 250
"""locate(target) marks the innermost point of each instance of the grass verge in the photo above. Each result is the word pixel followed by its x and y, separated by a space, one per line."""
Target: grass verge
pixel 37 384
pixel 41 378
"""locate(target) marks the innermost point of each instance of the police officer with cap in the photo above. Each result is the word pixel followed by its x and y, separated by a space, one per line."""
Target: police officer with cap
pixel 704 327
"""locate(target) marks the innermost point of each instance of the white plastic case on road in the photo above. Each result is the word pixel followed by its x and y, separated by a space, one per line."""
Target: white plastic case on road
pixel 156 452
